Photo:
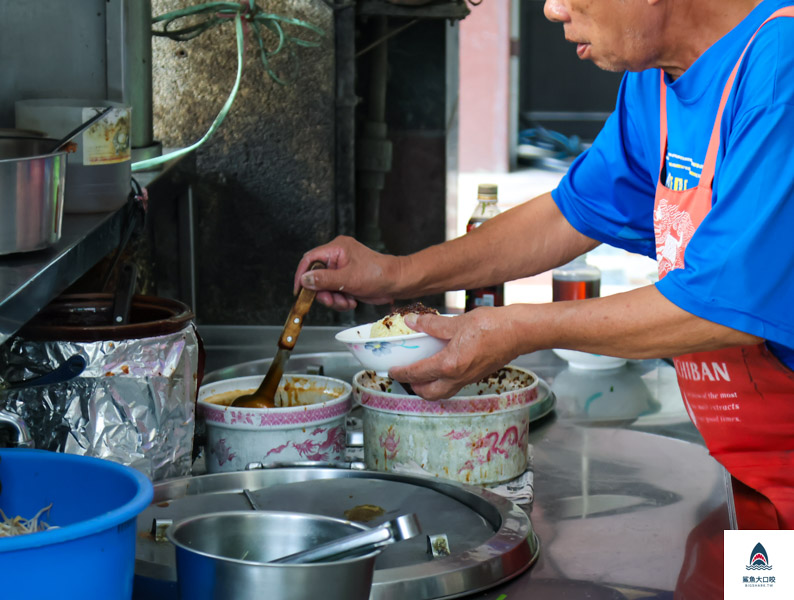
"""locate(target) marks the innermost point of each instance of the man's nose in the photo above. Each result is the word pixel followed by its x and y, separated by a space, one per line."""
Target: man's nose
pixel 555 11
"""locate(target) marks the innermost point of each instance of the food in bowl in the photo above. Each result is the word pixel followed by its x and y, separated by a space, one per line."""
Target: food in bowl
pixel 380 354
pixel 308 426
pixel 478 436
pixel 21 526
pixel 394 323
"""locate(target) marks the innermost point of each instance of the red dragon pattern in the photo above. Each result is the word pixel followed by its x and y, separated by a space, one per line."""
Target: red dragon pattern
pixel 334 442
pixel 673 228
pixel 495 445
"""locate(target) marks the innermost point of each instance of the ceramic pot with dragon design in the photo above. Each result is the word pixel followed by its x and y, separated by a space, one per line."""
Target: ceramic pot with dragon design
pixel 308 425
pixel 479 436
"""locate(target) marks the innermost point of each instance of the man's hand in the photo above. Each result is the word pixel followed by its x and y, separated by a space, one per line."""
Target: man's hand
pixel 354 273
pixel 480 342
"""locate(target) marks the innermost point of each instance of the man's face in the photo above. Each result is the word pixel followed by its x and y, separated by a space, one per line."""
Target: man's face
pixel 616 35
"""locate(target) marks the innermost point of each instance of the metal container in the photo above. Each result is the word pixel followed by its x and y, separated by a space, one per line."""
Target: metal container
pixel 31 193
pixel 99 168
pixel 224 555
pixel 478 436
pixel 491 539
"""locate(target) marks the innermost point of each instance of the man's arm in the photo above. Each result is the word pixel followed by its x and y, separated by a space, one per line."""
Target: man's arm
pixel 528 239
pixel 637 324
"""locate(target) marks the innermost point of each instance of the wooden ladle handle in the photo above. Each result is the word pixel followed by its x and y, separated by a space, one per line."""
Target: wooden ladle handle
pixel 303 303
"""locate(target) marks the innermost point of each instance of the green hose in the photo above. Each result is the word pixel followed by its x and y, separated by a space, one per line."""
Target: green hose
pixel 217 13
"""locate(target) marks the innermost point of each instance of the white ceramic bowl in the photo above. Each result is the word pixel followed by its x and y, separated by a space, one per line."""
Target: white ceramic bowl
pixel 478 436
pixel 382 353
pixel 310 428
pixel 586 360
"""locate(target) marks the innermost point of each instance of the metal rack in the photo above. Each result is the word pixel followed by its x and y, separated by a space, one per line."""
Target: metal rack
pixel 29 281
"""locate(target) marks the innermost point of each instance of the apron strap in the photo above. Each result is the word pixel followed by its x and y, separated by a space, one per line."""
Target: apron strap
pixel 710 163
pixel 662 124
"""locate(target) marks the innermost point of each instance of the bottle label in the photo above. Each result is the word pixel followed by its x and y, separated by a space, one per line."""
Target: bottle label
pixel 108 140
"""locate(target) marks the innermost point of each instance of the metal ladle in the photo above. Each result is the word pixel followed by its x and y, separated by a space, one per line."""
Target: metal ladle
pixel 401 528
pixel 265 394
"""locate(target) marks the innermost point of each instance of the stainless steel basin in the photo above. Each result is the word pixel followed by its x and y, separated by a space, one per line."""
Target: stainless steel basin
pixel 225 555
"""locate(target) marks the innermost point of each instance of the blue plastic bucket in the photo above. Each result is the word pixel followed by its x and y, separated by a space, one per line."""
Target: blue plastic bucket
pixel 95 502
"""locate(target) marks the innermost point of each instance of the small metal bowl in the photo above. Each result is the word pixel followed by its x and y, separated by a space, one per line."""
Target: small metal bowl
pixel 226 554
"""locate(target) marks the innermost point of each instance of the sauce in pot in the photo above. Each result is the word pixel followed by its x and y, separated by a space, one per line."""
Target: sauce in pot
pixel 294 392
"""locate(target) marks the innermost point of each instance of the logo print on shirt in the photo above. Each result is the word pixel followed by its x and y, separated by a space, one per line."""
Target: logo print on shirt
pixel 673 228
pixel 682 172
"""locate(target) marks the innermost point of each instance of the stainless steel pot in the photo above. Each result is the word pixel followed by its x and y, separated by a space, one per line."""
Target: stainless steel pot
pixel 31 194
pixel 225 555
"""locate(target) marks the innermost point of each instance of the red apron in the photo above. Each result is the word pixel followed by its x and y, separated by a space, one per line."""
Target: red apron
pixel 741 399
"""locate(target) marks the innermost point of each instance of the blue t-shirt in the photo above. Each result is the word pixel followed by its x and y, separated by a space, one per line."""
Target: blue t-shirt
pixel 739 265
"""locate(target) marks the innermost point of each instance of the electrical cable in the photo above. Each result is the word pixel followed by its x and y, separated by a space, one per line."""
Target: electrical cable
pixel 215 14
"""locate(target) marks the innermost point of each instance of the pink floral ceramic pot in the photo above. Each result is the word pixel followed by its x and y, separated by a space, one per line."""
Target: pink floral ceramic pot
pixel 309 424
pixel 478 436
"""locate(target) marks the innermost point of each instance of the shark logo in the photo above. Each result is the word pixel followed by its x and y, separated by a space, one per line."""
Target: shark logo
pixel 758 559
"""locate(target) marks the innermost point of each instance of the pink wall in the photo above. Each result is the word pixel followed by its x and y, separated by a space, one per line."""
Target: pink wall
pixel 485 88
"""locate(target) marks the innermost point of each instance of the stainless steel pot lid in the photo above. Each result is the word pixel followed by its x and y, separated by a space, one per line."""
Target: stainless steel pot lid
pixel 489 538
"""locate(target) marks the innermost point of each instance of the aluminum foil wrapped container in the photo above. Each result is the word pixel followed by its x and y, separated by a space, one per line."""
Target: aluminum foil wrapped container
pixel 134 403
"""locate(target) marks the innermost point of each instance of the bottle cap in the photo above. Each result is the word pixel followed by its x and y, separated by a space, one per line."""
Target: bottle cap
pixel 487 190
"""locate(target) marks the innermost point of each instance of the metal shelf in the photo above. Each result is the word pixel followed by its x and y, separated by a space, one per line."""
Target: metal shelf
pixel 28 281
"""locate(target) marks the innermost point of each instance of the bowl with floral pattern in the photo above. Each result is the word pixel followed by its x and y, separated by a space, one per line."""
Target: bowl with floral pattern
pixel 308 424
pixel 380 354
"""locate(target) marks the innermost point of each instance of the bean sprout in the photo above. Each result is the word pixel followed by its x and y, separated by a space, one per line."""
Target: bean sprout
pixel 20 526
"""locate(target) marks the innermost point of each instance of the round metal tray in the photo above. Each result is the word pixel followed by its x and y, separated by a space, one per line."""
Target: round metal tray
pixel 490 539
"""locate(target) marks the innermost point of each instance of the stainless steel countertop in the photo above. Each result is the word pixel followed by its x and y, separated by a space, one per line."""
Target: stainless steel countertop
pixel 623 484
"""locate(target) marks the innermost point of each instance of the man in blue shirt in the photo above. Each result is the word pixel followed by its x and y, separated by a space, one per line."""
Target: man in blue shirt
pixel 695 168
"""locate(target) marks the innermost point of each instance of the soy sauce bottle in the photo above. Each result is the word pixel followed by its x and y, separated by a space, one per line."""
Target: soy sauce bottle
pixel 486 209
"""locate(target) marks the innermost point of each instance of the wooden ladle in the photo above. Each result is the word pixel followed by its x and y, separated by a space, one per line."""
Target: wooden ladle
pixel 265 394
